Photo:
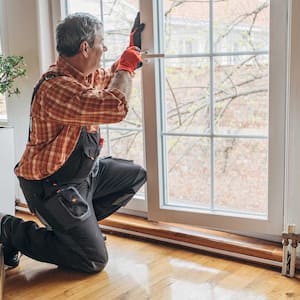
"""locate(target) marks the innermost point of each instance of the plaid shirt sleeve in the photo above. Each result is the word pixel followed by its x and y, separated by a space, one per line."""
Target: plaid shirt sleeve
pixel 67 101
pixel 103 77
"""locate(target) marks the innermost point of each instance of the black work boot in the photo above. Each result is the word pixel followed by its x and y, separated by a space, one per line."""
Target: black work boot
pixel 11 255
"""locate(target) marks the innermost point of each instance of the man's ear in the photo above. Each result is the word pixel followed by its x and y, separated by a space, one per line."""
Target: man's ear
pixel 84 49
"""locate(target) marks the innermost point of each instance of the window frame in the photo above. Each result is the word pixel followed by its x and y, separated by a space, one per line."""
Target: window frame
pixel 151 72
pixel 273 223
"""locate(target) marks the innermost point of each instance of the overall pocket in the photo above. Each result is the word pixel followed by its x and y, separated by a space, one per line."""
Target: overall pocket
pixel 67 208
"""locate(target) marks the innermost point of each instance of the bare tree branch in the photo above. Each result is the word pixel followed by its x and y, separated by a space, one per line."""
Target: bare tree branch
pixel 241 18
pixel 175 100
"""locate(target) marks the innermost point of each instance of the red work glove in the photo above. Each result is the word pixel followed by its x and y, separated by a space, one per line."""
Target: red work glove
pixel 135 35
pixel 130 60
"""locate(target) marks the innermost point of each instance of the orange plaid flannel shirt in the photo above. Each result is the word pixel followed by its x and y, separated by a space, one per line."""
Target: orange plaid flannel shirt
pixel 62 105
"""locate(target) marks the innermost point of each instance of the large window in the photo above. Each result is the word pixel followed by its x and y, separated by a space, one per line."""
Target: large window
pixel 207 120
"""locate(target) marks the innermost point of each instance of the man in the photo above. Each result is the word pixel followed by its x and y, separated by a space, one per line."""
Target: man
pixel 64 182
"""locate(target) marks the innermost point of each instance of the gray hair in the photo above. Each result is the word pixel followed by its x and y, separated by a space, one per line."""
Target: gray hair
pixel 74 30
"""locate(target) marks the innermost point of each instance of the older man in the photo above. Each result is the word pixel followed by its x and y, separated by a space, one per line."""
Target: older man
pixel 64 182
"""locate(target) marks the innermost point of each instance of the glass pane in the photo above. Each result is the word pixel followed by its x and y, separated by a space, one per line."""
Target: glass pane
pixel 118 21
pixel 241 175
pixel 118 18
pixel 90 6
pixel 134 118
pixel 187 95
pixel 241 93
pixel 241 25
pixel 186 27
pixel 188 167
pixel 124 144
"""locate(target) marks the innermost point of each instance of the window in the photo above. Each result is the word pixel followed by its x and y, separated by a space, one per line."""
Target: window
pixel 210 113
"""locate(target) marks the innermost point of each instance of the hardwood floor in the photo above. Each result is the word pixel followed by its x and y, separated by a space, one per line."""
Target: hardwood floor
pixel 139 270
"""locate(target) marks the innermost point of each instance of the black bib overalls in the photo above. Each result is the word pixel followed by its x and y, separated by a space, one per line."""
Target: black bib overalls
pixel 70 203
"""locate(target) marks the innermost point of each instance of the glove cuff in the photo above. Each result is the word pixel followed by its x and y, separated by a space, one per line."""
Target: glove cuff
pixel 125 68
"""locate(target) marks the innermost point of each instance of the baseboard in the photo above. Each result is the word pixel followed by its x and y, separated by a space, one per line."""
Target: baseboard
pixel 233 245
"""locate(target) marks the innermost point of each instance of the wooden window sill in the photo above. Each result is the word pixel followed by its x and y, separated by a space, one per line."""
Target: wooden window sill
pixel 233 245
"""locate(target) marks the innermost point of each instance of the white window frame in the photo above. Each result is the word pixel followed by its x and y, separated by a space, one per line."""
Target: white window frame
pixel 273 223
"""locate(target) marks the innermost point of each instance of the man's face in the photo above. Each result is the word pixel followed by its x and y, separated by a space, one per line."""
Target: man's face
pixel 95 53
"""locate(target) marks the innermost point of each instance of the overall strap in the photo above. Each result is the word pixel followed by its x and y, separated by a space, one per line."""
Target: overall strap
pixel 35 89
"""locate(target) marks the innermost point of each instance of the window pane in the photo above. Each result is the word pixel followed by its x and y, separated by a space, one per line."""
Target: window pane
pixel 134 118
pixel 241 175
pixel 186 26
pixel 90 6
pixel 118 21
pixel 187 95
pixel 117 18
pixel 123 139
pixel 241 91
pixel 127 144
pixel 241 25
pixel 188 167
pixel 123 144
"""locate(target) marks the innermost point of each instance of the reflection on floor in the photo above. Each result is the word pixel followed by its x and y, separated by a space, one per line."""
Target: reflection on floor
pixel 143 270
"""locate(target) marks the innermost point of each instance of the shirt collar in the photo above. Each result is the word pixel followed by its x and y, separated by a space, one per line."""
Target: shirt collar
pixel 63 67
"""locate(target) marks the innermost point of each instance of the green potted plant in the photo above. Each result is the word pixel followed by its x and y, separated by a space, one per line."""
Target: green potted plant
pixel 11 67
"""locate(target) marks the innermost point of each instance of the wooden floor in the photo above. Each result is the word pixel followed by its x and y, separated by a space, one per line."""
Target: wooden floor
pixel 144 270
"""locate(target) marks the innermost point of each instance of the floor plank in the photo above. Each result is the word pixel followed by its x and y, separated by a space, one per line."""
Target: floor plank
pixel 140 270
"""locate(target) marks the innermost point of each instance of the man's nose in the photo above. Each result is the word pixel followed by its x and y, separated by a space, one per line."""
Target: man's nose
pixel 105 48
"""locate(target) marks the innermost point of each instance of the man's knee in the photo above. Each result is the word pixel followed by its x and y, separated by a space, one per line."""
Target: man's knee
pixel 95 267
pixel 96 264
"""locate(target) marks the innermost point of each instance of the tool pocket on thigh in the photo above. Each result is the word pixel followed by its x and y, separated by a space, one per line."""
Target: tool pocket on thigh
pixel 67 208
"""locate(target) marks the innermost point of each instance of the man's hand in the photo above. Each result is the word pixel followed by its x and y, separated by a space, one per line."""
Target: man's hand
pixel 130 59
pixel 135 35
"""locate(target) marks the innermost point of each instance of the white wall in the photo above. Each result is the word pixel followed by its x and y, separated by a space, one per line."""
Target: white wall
pixel 7 188
pixel 292 203
pixel 20 34
pixel 21 39
pixel 27 31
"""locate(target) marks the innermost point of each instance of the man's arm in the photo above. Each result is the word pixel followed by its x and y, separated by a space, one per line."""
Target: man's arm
pixel 122 81
pixel 128 62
